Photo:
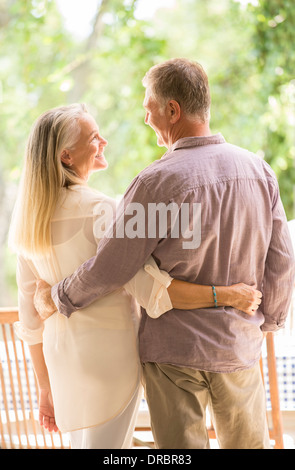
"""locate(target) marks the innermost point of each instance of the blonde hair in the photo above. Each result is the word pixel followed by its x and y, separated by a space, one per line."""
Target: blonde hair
pixel 184 81
pixel 43 177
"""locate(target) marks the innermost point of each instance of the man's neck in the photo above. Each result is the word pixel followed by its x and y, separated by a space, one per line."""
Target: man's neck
pixel 189 129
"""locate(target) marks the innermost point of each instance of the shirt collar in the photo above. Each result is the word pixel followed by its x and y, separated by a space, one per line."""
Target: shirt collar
pixel 187 142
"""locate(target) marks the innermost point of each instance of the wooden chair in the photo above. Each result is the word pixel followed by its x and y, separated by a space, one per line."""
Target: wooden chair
pixel 19 426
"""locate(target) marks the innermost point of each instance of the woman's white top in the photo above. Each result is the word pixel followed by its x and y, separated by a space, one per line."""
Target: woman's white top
pixel 92 356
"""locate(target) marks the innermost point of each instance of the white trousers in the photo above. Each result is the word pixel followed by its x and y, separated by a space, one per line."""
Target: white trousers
pixel 115 434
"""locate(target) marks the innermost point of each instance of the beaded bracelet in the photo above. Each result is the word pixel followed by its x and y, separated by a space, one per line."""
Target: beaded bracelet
pixel 214 296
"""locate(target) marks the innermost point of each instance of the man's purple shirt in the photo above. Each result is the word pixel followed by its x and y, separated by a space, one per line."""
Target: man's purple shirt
pixel 244 238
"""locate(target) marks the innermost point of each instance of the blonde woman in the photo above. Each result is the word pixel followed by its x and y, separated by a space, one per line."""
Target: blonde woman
pixel 87 366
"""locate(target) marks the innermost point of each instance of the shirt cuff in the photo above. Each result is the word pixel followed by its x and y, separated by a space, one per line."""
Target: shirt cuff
pixel 30 337
pixel 159 301
pixel 64 307
pixel 272 327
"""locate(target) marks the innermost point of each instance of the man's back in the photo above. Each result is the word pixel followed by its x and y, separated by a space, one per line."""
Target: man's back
pixel 244 238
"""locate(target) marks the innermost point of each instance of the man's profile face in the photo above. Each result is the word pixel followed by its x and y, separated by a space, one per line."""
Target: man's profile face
pixel 156 119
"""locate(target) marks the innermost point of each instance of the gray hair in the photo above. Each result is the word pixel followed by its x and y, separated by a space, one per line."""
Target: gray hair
pixel 184 81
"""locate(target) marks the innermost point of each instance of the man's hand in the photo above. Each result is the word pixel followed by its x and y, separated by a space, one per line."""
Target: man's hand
pixel 245 298
pixel 43 301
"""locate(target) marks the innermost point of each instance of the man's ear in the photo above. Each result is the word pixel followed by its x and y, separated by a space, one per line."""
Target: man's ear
pixel 66 158
pixel 174 111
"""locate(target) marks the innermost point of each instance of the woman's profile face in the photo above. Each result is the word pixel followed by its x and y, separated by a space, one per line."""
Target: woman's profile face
pixel 87 156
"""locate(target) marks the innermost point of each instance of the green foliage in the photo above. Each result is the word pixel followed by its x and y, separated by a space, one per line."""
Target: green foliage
pixel 247 52
pixel 273 38
pixel 33 45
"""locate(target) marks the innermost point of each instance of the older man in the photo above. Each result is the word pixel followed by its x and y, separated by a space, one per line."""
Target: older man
pixel 195 358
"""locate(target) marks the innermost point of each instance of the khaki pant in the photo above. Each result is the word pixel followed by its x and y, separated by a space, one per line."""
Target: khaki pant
pixel 177 398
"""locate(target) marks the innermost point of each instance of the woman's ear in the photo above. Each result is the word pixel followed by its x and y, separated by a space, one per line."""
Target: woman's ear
pixel 66 158
pixel 174 111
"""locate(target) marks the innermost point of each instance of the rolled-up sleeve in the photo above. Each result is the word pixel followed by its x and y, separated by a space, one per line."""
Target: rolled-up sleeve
pixel 278 282
pixel 29 328
pixel 149 288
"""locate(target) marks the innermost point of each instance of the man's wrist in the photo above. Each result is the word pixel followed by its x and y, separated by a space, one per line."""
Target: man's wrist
pixel 54 297
pixel 62 306
pixel 222 296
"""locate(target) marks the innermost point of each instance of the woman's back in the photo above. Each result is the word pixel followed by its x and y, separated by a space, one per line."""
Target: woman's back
pixel 86 353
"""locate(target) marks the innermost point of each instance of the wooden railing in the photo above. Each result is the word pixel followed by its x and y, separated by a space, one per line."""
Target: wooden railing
pixel 19 426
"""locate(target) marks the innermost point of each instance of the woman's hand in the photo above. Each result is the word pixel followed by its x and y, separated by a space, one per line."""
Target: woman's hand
pixel 245 298
pixel 46 411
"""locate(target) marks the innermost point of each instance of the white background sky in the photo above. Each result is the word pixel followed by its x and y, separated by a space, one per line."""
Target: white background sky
pixel 79 13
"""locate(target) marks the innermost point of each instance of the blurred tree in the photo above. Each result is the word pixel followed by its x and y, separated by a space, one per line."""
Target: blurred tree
pixel 274 35
pixel 42 66
pixel 244 45
pixel 33 44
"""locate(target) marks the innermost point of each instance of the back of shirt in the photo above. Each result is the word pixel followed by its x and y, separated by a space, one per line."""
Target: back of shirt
pixel 228 200
pixel 241 235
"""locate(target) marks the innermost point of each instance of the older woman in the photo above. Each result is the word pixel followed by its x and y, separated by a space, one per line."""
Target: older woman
pixel 87 366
